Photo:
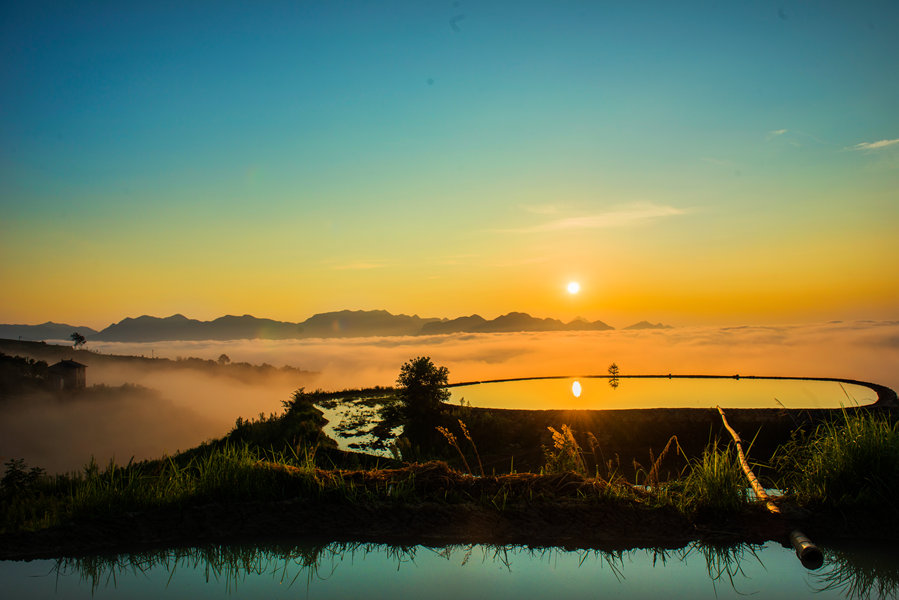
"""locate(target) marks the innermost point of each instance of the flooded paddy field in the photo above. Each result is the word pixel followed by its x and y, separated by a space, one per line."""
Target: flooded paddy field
pixel 624 423
pixel 673 391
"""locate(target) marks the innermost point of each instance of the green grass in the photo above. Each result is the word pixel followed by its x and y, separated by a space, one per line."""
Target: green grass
pixel 226 474
pixel 849 462
pixel 713 482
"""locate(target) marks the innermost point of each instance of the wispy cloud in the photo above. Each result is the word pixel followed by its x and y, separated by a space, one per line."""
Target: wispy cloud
pixel 792 137
pixel 781 134
pixel 874 145
pixel 621 216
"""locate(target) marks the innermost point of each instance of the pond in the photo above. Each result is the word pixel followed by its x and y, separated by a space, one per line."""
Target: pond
pixel 605 393
pixel 355 570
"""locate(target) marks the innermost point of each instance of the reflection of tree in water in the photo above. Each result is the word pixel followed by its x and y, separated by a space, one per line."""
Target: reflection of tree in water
pixel 863 572
pixel 613 376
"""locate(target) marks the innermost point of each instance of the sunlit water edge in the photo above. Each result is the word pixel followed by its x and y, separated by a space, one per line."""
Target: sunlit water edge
pixel 651 392
pixel 642 392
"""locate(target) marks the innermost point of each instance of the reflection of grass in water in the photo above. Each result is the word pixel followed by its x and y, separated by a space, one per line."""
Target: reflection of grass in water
pixel 862 572
pixel 723 561
pixel 231 564
pixel 288 564
pixel 235 563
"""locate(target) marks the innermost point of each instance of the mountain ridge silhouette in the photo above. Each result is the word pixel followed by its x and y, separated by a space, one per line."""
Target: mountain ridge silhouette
pixel 333 324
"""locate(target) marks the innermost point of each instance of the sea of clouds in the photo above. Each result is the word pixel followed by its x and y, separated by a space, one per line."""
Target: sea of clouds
pixel 193 406
pixel 865 350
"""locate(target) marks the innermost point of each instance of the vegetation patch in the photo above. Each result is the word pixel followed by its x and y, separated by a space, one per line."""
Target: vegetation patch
pixel 844 463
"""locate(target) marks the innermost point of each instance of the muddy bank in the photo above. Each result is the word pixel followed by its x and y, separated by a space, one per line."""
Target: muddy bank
pixel 446 507
pixel 565 524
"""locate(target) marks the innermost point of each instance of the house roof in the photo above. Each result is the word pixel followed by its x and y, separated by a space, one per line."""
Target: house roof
pixel 68 364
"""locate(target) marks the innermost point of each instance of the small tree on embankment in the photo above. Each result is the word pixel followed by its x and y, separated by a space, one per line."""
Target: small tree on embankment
pixel 420 396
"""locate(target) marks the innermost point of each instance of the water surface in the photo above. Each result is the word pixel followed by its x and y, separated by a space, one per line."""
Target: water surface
pixel 353 570
pixel 604 393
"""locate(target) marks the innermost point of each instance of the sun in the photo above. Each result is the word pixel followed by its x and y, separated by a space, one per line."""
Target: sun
pixel 574 287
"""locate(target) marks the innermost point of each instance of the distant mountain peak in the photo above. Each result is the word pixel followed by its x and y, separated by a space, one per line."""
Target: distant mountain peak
pixel 648 325
pixel 44 331
pixel 341 323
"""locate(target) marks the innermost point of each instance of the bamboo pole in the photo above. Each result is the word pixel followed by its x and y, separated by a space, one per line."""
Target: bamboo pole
pixel 753 481
pixel 809 554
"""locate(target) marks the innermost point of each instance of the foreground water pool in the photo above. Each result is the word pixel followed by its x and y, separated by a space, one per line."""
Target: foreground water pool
pixel 604 393
pixel 353 570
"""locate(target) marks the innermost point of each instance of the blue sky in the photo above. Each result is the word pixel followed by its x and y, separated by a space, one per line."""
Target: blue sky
pixel 440 157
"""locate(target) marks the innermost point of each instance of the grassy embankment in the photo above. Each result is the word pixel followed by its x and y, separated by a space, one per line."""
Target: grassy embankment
pixel 849 464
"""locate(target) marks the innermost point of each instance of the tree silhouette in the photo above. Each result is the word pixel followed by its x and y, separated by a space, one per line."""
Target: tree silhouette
pixel 224 359
pixel 78 339
pixel 613 376
pixel 418 405
pixel 422 388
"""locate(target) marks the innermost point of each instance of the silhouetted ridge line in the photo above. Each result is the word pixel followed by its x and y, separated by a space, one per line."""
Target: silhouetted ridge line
pixel 44 331
pixel 336 324
pixel 648 325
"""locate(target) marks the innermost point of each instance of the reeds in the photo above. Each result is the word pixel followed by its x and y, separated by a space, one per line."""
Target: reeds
pixel 452 441
pixel 566 454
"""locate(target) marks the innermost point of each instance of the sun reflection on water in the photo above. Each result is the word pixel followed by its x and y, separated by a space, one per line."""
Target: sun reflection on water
pixel 576 389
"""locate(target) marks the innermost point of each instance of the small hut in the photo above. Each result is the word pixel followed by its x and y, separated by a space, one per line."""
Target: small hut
pixel 67 375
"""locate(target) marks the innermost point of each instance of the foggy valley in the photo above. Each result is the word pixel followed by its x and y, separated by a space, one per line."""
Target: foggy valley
pixel 185 406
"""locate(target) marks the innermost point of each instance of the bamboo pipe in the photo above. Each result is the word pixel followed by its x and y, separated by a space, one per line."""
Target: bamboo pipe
pixel 753 481
pixel 809 554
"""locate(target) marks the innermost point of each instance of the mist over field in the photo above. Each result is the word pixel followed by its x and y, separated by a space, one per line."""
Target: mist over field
pixel 865 350
pixel 180 409
pixel 191 406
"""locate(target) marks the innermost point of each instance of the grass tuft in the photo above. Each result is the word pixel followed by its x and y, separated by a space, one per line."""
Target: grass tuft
pixel 848 462
pixel 714 482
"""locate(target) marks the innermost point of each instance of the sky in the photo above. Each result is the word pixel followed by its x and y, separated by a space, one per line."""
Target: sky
pixel 686 162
